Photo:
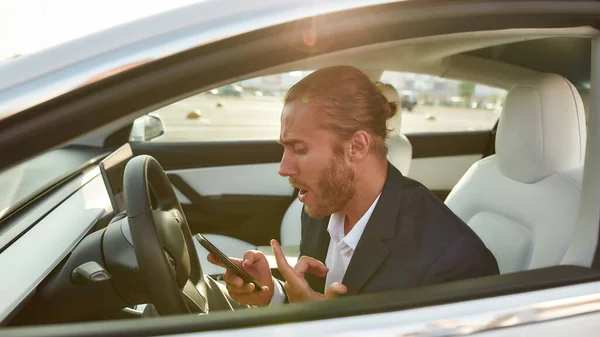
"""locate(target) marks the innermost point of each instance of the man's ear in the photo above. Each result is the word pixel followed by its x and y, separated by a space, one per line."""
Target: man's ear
pixel 360 143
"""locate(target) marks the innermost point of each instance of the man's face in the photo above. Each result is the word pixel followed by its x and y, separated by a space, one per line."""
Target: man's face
pixel 314 161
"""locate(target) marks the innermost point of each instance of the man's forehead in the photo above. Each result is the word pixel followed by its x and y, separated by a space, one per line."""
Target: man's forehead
pixel 297 112
pixel 293 133
pixel 300 122
pixel 296 109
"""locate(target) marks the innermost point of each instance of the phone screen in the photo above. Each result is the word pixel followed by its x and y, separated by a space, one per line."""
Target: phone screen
pixel 223 258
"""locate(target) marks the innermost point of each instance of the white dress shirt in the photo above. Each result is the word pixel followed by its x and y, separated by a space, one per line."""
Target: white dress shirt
pixel 340 251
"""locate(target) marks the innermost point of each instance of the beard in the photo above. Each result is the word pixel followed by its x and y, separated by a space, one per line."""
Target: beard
pixel 335 188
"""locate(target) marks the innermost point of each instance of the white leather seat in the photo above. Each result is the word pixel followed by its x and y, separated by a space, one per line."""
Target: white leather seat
pixel 399 147
pixel 523 202
pixel 291 227
pixel 399 154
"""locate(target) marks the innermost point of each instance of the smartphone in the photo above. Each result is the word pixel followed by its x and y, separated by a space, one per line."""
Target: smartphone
pixel 226 261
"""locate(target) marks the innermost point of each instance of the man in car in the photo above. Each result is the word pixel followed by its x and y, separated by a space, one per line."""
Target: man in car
pixel 365 227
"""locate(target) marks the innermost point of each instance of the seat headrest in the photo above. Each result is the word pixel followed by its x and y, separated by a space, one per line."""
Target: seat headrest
pixel 391 94
pixel 400 152
pixel 541 129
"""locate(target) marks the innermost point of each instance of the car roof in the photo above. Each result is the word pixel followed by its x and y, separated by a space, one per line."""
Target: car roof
pixel 32 79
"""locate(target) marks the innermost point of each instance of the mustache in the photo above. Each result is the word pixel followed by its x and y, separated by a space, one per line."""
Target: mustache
pixel 297 183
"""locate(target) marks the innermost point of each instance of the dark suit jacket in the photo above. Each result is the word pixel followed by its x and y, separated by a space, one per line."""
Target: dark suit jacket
pixel 412 239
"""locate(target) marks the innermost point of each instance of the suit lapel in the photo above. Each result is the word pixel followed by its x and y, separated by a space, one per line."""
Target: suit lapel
pixel 371 250
pixel 323 242
pixel 367 258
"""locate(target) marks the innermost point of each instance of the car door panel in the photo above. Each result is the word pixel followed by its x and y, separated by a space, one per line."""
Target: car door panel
pixel 252 179
pixel 440 174
pixel 228 188
pixel 441 159
pixel 444 144
pixel 233 188
pixel 243 201
pixel 184 155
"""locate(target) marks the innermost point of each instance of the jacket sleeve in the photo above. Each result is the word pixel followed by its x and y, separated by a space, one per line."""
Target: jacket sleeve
pixel 465 258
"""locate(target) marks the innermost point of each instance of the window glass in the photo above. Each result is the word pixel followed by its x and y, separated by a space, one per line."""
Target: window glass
pixel 23 182
pixel 251 109
pixel 435 104
pixel 246 110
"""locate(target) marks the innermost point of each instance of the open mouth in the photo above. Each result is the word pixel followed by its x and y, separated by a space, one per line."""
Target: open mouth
pixel 302 194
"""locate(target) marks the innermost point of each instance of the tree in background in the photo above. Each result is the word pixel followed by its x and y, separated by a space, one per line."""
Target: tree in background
pixel 466 90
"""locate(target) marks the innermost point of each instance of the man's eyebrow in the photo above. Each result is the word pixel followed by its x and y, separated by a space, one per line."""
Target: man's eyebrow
pixel 291 141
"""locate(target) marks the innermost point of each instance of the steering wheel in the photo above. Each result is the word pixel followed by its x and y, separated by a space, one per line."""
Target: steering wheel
pixel 162 240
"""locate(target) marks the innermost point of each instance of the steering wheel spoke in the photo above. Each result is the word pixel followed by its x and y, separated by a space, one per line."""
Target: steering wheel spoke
pixel 195 301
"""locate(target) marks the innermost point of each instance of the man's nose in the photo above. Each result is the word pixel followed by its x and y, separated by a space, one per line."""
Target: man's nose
pixel 287 167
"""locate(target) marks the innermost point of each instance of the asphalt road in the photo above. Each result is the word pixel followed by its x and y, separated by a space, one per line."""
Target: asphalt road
pixel 233 118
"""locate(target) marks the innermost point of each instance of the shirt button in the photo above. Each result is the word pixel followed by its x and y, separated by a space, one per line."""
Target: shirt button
pixel 348 253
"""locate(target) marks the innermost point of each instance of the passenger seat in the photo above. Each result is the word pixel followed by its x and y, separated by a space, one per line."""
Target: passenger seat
pixel 400 148
pixel 524 201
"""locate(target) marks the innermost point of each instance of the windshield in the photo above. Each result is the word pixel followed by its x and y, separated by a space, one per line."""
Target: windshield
pixel 25 181
pixel 30 26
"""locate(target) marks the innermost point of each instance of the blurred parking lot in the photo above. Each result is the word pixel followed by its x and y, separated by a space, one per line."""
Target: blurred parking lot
pixel 208 117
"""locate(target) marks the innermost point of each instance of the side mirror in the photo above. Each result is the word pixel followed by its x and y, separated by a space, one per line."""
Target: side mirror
pixel 146 128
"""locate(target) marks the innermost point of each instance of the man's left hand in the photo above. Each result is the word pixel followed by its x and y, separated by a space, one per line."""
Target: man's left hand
pixel 296 287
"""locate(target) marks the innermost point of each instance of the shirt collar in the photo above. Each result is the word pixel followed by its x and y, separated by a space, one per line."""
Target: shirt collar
pixel 336 227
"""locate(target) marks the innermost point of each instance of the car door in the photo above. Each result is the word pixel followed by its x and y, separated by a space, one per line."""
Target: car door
pixel 220 147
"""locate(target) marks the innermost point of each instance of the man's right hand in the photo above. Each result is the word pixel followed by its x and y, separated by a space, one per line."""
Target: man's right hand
pixel 255 264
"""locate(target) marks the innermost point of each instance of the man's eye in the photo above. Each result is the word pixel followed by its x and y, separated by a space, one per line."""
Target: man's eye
pixel 300 150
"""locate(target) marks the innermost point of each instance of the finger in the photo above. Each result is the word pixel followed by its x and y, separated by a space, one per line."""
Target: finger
pixel 335 290
pixel 212 259
pixel 231 278
pixel 251 257
pixel 238 290
pixel 310 265
pixel 284 268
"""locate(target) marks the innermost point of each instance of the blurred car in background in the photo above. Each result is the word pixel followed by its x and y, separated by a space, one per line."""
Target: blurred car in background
pixel 228 90
pixel 408 100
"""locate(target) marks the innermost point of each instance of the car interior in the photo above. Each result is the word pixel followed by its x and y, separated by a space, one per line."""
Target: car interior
pixel 527 187
pixel 509 224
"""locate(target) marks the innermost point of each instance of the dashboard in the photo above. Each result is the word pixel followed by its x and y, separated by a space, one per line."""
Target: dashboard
pixel 41 249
